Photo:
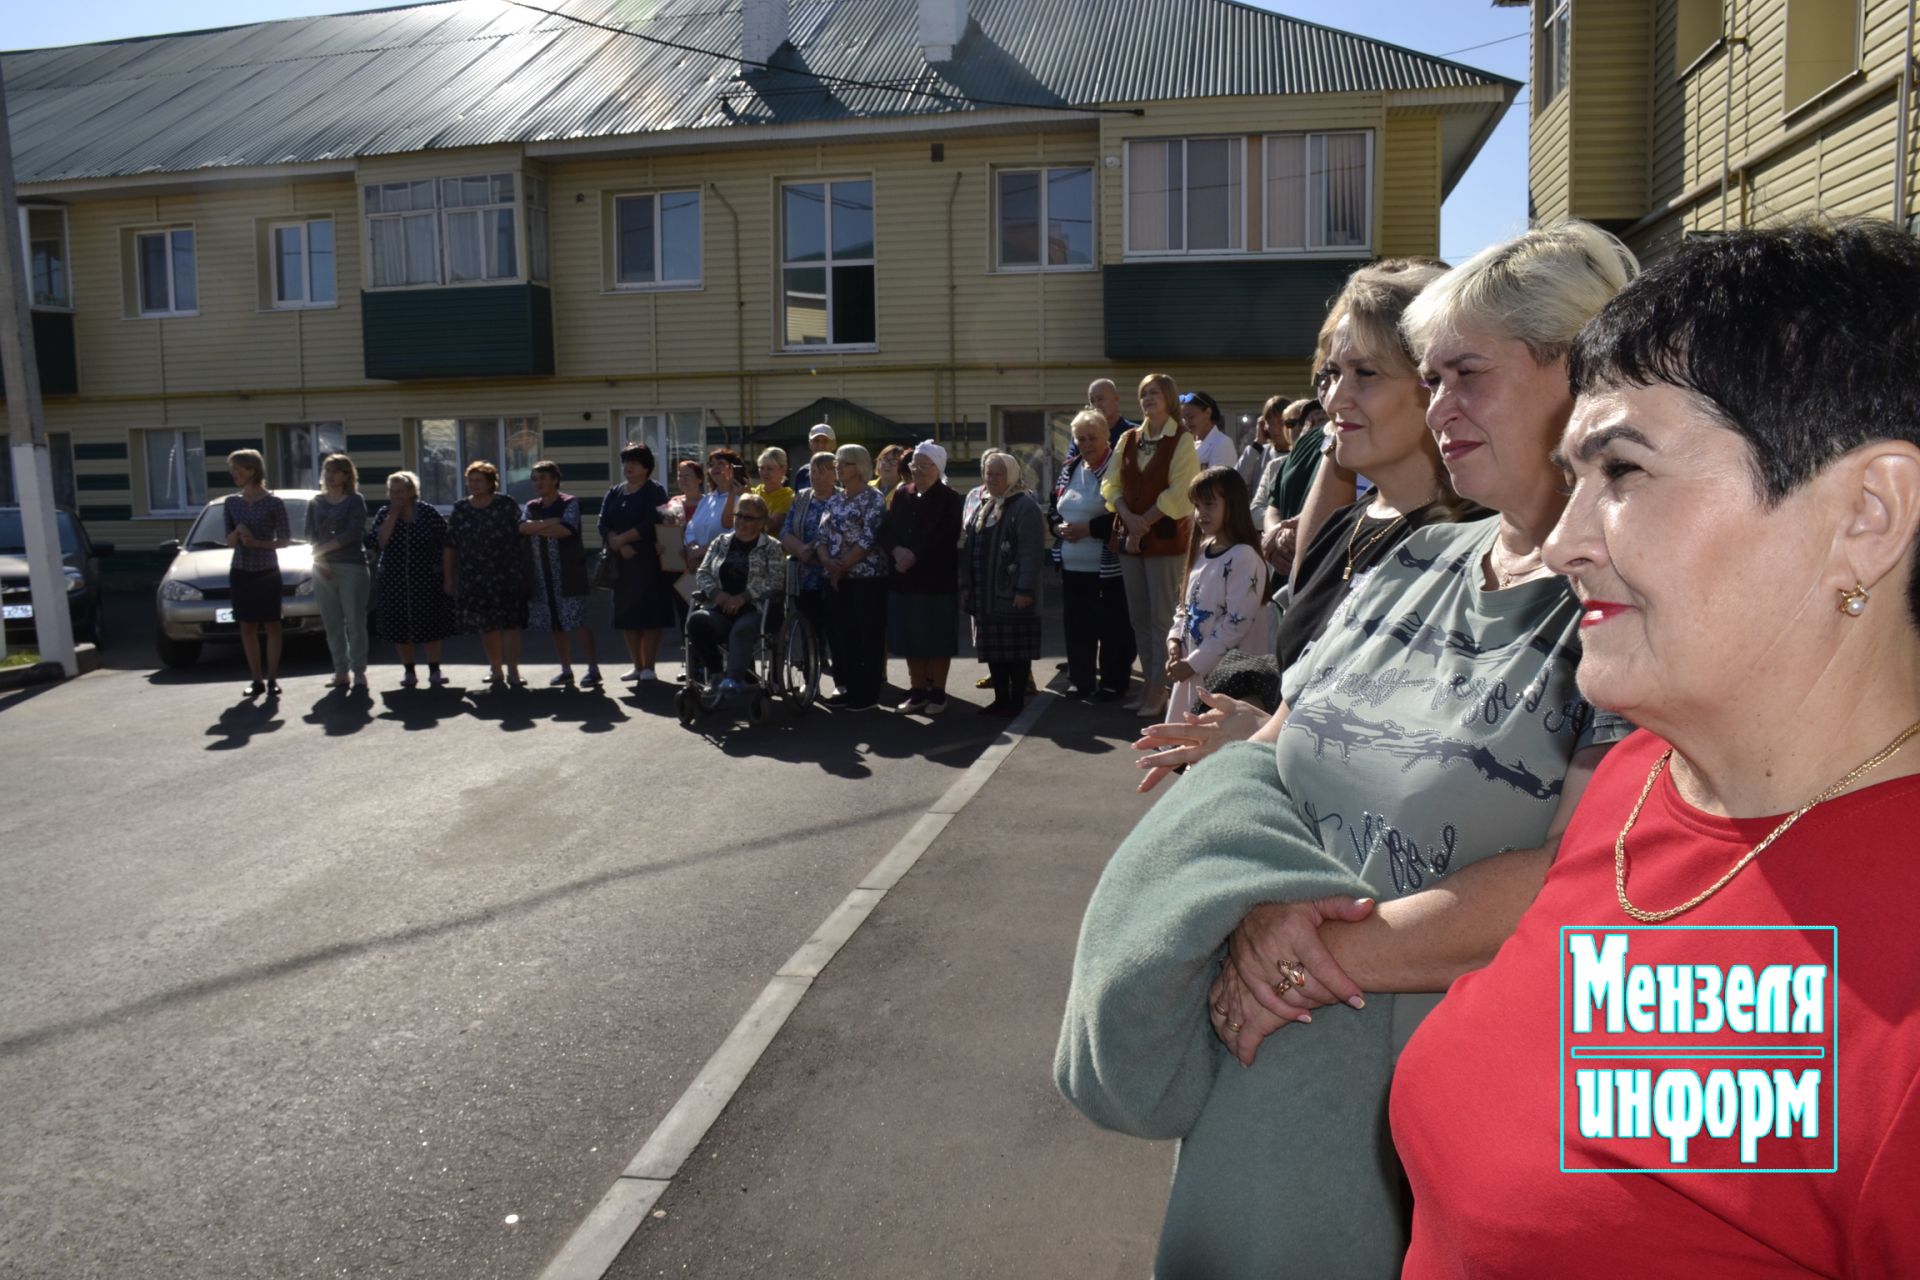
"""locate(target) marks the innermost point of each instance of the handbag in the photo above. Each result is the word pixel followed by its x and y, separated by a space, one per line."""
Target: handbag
pixel 606 574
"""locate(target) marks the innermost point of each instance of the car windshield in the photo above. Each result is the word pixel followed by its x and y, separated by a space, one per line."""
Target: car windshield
pixel 13 541
pixel 210 530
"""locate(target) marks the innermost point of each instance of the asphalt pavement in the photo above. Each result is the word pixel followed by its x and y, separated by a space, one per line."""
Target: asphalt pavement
pixel 398 985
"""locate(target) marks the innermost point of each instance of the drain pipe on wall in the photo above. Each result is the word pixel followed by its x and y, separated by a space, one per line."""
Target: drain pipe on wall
pixel 1901 167
pixel 953 289
pixel 739 317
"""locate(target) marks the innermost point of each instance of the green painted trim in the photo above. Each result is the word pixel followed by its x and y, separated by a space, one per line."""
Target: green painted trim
pixel 104 452
pixel 108 482
pixel 375 476
pixel 374 444
pixel 1259 310
pixel 226 446
pixel 108 511
pixel 574 438
pixel 492 331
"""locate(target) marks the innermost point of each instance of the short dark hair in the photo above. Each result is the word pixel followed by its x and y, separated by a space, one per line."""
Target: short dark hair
pixel 638 453
pixel 547 468
pixel 728 456
pixel 1799 338
pixel 1206 402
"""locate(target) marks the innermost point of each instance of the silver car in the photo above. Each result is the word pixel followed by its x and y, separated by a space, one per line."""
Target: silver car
pixel 195 601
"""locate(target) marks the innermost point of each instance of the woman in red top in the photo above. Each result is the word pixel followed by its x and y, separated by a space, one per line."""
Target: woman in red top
pixel 1745 451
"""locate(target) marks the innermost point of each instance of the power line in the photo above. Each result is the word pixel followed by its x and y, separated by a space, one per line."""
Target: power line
pixel 825 79
pixel 1488 45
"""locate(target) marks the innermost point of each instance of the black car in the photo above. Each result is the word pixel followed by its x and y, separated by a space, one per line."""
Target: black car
pixel 79 554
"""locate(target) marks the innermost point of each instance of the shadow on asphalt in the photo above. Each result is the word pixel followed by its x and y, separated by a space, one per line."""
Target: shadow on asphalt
pixel 243 722
pixel 28 1041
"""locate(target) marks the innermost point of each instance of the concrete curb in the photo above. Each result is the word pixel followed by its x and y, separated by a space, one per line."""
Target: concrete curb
pixel 599 1239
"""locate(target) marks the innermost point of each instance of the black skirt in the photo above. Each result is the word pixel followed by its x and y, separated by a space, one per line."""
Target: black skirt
pixel 256 595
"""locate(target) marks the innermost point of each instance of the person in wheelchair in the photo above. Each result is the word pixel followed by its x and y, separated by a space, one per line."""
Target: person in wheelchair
pixel 736 589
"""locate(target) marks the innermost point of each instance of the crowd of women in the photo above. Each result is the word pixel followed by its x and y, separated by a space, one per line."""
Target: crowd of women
pixel 1626 632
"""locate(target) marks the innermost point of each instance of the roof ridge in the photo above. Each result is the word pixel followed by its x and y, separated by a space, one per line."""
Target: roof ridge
pixel 1373 40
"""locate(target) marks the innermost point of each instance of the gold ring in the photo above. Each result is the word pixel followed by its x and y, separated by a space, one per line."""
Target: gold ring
pixel 1220 1009
pixel 1233 1026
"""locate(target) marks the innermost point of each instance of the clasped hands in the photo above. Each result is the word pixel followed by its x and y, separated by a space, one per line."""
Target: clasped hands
pixel 1277 970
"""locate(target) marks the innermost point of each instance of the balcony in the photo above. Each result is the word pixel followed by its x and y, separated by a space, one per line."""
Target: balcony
pixel 1259 309
pixel 54 351
pixel 491 331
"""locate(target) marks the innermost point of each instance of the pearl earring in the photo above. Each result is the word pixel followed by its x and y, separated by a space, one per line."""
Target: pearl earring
pixel 1854 603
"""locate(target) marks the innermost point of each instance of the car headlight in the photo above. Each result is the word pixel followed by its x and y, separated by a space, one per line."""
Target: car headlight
pixel 76 582
pixel 174 589
pixel 305 588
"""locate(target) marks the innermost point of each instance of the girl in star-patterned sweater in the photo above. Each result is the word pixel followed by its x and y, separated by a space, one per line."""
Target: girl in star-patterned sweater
pixel 1224 606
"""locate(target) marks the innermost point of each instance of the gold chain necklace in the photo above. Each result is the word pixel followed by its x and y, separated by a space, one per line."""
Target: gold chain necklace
pixel 1373 539
pixel 1653 775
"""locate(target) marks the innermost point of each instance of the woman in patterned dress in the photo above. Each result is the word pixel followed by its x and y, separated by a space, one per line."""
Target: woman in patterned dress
pixel 1000 580
pixel 856 582
pixel 560 584
pixel 486 570
pixel 409 539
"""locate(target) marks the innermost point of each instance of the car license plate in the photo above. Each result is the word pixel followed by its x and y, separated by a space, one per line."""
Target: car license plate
pixel 16 611
pixel 223 615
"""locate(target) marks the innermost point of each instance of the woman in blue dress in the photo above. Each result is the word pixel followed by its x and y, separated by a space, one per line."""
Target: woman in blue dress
pixel 642 593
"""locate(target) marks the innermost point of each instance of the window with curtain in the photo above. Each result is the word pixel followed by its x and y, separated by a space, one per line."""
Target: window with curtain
pixel 1044 218
pixel 453 231
pixel 303 447
pixel 656 240
pixel 826 264
pixel 176 465
pixel 1186 195
pixel 1318 191
pixel 303 263
pixel 44 233
pixel 1556 43
pixel 447 445
pixel 164 276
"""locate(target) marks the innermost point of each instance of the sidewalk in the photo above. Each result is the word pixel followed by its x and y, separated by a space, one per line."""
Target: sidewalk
pixel 904 1122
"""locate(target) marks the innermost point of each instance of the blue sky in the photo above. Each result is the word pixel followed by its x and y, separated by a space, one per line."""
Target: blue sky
pixel 1489 204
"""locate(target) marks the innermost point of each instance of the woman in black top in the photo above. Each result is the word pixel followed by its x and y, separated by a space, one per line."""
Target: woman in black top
pixel 409 538
pixel 256 530
pixel 643 595
pixel 921 532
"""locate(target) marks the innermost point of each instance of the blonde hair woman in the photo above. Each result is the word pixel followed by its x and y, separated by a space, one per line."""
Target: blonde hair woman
pixel 1147 490
pixel 337 530
pixel 256 530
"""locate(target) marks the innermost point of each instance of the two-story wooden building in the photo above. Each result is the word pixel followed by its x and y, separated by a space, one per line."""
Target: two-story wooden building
pixel 478 229
pixel 1665 118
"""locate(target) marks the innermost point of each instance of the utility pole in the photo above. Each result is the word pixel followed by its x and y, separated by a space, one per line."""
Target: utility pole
pixel 32 468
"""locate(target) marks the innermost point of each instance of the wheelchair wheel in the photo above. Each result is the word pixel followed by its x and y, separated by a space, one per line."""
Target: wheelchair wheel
pixel 797 660
pixel 686 704
pixel 760 709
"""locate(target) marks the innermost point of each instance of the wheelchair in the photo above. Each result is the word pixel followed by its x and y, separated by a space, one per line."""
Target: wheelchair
pixel 785 665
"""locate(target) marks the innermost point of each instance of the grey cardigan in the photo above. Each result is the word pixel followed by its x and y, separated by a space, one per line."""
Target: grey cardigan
pixel 1014 556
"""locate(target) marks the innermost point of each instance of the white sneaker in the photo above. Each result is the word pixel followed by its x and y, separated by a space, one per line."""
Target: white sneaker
pixel 646 675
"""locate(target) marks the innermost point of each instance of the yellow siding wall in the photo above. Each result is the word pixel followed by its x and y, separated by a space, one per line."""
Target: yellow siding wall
pixel 1549 186
pixel 1730 108
pixel 1015 340
pixel 1410 187
pixel 1607 158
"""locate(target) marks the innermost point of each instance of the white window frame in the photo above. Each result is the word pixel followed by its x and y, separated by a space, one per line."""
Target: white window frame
pixel 303 226
pixel 658 285
pixel 500 421
pixel 181 473
pixel 999 234
pixel 827 263
pixel 1317 216
pixel 281 431
pixel 634 429
pixel 173 296
pixel 66 253
pixel 443 273
pixel 1186 215
pixel 1559 14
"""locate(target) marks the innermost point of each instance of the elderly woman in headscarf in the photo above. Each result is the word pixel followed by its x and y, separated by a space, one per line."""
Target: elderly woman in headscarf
pixel 1000 580
pixel 856 568
pixel 921 532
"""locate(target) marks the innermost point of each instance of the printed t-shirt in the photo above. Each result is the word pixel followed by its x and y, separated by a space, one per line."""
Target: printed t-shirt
pixel 1482 1147
pixel 1435 719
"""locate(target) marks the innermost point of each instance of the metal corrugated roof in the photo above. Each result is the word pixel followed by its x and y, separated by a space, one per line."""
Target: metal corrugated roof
pixel 470 72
